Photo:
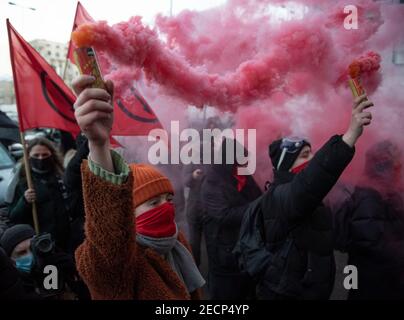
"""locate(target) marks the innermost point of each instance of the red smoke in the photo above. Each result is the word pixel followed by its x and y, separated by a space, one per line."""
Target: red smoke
pixel 278 75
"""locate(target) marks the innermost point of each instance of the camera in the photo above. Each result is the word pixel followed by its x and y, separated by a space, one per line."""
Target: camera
pixel 42 245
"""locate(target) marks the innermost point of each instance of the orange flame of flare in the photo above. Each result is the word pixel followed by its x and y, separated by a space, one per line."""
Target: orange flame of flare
pixel 354 70
pixel 83 36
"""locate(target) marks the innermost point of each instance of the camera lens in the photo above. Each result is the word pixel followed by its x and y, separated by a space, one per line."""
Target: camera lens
pixel 45 245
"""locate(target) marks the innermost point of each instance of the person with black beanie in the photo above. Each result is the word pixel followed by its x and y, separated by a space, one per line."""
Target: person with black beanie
pixel 24 260
pixel 297 227
pixel 18 261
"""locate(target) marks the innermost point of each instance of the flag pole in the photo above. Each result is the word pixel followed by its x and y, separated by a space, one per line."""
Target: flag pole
pixel 70 43
pixel 65 69
pixel 30 183
pixel 26 162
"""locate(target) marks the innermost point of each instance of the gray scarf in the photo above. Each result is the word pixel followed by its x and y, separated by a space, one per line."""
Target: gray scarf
pixel 179 258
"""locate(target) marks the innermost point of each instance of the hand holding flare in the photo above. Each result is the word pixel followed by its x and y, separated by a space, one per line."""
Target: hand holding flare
pixel 365 64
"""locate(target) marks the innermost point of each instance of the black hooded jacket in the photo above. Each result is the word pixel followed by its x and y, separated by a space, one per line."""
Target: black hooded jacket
pixel 297 224
pixel 225 207
pixel 370 228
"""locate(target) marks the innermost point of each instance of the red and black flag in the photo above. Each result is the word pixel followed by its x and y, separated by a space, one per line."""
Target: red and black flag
pixel 133 116
pixel 43 99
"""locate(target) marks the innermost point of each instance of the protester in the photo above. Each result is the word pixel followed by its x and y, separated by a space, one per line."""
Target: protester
pixel 49 193
pixel 31 254
pixel 370 226
pixel 297 227
pixel 16 242
pixel 133 248
pixel 225 196
pixel 192 177
pixel 11 284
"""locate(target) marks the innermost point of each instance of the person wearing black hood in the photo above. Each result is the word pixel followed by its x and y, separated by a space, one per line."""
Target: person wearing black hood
pixel 28 261
pixel 16 261
pixel 225 196
pixel 297 227
pixel 369 226
pixel 11 284
pixel 49 193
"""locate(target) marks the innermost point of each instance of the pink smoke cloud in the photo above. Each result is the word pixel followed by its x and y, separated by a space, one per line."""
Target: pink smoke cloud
pixel 279 76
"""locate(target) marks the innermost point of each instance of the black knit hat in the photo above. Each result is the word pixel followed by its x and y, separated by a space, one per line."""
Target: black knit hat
pixel 275 153
pixel 15 235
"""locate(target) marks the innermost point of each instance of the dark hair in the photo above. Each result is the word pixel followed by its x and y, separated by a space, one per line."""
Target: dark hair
pixel 57 159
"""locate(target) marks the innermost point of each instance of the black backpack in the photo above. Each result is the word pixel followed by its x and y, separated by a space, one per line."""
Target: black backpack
pixel 250 250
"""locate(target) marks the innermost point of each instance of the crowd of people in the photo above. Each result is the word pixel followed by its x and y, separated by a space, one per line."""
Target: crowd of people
pixel 112 229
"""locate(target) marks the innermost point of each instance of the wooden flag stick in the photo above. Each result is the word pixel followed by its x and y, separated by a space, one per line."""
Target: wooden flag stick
pixel 21 126
pixel 65 69
pixel 30 183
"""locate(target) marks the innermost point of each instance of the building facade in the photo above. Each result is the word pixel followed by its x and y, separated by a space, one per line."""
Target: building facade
pixel 7 92
pixel 55 54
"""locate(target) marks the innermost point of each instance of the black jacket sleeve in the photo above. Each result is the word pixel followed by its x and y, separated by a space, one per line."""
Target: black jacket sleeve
pixel 72 176
pixel 307 190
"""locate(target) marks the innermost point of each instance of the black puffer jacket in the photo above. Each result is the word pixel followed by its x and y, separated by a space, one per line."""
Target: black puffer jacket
pixel 224 207
pixel 53 206
pixel 73 182
pixel 298 227
pixel 370 228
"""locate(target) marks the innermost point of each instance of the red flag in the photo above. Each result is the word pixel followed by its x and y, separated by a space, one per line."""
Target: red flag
pixel 132 116
pixel 43 99
pixel 81 17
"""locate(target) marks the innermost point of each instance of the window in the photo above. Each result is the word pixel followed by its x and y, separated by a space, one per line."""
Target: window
pixel 5 160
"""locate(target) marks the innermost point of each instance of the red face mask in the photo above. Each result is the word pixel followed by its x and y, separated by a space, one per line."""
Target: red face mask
pixel 300 168
pixel 158 222
pixel 241 180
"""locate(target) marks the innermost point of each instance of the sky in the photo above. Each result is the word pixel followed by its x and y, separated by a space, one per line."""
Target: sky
pixel 53 19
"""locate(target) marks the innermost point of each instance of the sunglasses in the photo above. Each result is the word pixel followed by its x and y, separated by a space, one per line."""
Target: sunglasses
pixel 290 145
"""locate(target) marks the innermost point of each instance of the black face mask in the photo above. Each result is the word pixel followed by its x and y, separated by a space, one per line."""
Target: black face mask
pixel 42 165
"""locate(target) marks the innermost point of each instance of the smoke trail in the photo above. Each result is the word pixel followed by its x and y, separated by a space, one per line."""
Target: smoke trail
pixel 279 72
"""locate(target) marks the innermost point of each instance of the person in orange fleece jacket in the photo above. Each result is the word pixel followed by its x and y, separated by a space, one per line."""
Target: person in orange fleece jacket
pixel 132 248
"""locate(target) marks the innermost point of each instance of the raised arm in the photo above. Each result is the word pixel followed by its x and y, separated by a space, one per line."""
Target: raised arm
pixel 105 259
pixel 309 188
